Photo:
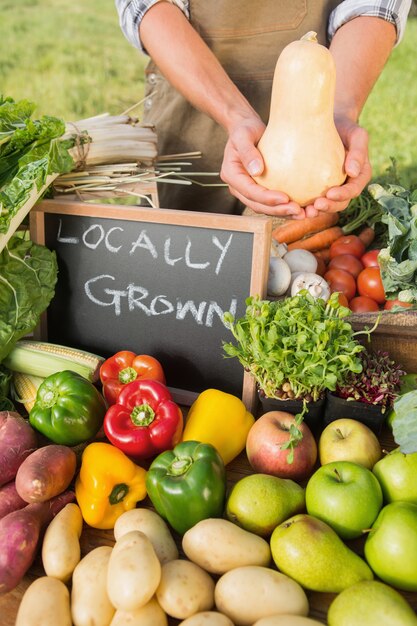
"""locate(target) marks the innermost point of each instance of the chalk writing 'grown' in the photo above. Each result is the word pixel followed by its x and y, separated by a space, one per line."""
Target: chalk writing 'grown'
pixel 138 298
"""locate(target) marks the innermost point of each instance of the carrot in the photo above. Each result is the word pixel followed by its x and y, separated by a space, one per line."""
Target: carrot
pixel 293 230
pixel 367 235
pixel 318 241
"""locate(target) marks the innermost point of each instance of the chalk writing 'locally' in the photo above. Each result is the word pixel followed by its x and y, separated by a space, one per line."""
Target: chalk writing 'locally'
pixel 95 235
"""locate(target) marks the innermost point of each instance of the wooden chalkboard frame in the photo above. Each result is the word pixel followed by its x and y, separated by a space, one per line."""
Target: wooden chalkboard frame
pixel 259 226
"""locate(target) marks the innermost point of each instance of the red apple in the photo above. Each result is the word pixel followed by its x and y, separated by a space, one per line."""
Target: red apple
pixel 264 447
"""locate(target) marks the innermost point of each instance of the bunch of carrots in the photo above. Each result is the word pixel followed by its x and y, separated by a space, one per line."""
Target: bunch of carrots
pixel 316 234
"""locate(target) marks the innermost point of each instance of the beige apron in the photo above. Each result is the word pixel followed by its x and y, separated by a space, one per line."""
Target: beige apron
pixel 247 38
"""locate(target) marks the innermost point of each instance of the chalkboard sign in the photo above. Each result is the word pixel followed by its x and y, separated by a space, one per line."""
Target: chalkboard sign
pixel 154 281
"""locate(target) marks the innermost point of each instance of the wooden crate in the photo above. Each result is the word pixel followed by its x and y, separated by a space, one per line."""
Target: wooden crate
pixel 396 333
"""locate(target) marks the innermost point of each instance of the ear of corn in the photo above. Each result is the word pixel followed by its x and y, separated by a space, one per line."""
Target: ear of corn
pixel 41 359
pixel 25 388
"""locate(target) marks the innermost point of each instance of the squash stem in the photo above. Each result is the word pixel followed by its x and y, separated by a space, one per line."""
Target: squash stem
pixel 310 36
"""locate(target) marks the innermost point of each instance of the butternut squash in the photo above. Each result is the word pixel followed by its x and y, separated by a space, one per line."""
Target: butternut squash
pixel 301 148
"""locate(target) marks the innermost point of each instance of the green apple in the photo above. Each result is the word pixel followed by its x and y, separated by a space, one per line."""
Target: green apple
pixel 345 495
pixel 391 546
pixel 349 440
pixel 397 475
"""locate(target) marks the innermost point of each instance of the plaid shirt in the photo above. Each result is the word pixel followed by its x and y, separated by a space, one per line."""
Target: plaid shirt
pixel 131 13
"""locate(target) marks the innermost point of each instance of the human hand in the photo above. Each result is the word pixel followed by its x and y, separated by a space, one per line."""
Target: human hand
pixel 241 161
pixel 357 167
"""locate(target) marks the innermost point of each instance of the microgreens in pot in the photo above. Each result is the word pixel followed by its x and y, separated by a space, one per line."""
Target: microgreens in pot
pixel 378 383
pixel 299 344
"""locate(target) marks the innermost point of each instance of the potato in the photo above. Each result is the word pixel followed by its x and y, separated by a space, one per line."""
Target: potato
pixel 90 604
pixel 134 571
pixel 218 546
pixel 153 526
pixel 61 544
pixel 46 602
pixel 149 615
pixel 207 618
pixel 287 620
pixel 46 473
pixel 246 594
pixel 17 440
pixel 185 589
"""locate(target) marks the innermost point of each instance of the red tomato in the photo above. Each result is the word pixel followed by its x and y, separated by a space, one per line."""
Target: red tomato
pixel 391 303
pixel 370 258
pixel 347 244
pixel 363 304
pixel 370 284
pixel 348 263
pixel 342 281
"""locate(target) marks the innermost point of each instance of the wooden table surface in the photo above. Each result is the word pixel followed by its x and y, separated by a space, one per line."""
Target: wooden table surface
pixel 91 538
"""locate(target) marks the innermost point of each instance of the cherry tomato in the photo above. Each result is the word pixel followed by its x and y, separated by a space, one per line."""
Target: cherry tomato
pixel 342 281
pixel 347 244
pixel 348 263
pixel 370 284
pixel 391 303
pixel 343 301
pixel 370 258
pixel 363 304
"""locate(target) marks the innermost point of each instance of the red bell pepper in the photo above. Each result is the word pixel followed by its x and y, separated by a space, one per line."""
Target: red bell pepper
pixel 124 367
pixel 145 420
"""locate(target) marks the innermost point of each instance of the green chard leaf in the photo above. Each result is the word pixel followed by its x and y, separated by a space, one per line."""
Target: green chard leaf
pixel 30 150
pixel 28 274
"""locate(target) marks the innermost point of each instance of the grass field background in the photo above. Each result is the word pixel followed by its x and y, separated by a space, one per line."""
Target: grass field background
pixel 71 58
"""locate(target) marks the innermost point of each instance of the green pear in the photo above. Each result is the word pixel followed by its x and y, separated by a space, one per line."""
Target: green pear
pixel 372 603
pixel 259 502
pixel 310 552
pixel 391 546
pixel 396 473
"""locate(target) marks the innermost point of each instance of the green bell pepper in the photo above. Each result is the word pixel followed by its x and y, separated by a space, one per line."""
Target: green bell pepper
pixel 187 484
pixel 68 409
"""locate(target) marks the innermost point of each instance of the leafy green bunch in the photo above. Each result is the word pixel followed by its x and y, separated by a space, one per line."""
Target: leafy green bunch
pixel 30 150
pixel 365 210
pixel 28 274
pixel 300 341
pixel 398 260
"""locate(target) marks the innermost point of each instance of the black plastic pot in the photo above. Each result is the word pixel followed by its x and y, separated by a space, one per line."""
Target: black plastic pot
pixel 314 417
pixel 339 408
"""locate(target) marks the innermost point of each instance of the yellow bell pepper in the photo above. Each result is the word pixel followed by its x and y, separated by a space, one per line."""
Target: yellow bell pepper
pixel 221 419
pixel 108 484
